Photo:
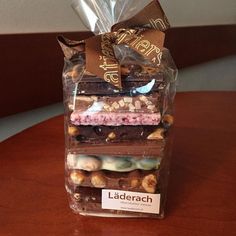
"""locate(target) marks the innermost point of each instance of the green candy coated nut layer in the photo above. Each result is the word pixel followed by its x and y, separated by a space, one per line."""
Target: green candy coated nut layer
pixel 111 163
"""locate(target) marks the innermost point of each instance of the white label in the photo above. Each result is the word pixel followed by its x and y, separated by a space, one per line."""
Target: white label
pixel 130 201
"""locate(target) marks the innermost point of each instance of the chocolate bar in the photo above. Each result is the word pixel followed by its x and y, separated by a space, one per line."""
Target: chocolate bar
pixel 114 134
pixel 136 181
pixel 111 162
pixel 88 200
pixel 115 111
pixel 136 79
pixel 119 104
pixel 137 149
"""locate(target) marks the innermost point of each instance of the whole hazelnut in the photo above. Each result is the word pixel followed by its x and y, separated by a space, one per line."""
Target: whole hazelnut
pixel 98 180
pixel 157 134
pixel 168 120
pixel 77 177
pixel 134 183
pixel 73 131
pixel 149 183
pixel 111 136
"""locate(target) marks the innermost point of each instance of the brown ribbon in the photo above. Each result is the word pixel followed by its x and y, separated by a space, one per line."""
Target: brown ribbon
pixel 142 33
pixel 100 57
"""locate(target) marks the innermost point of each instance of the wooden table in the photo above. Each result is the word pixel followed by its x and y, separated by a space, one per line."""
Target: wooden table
pixel 202 187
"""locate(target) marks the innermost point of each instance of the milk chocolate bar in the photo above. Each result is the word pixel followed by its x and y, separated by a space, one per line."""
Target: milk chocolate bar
pixel 137 149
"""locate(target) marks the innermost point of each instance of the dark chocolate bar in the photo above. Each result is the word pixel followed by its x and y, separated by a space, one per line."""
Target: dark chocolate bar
pixel 103 134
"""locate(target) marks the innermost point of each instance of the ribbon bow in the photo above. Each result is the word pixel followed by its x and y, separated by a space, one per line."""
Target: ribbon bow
pixel 142 33
pixel 102 61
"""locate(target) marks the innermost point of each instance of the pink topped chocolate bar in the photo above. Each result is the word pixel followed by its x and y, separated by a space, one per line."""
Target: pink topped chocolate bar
pixel 115 111
pixel 114 119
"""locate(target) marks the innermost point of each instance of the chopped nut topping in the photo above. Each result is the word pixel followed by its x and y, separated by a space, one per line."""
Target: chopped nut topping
pixel 131 107
pixel 148 103
pixel 151 107
pixel 111 136
pixel 77 196
pixel 143 98
pixel 122 103
pixel 128 99
pixel 115 105
pixel 106 107
pixel 137 105
pixel 84 98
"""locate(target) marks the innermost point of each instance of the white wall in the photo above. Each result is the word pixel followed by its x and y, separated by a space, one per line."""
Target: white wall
pixel 200 12
pixel 26 16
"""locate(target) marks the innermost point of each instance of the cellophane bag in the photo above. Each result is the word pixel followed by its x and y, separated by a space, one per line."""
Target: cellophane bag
pixel 119 88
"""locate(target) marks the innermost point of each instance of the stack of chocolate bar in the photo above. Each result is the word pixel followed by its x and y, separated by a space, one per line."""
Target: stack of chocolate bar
pixel 116 139
pixel 118 118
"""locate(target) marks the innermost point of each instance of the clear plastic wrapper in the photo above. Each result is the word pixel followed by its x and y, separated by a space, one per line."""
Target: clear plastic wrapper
pixel 118 132
pixel 100 15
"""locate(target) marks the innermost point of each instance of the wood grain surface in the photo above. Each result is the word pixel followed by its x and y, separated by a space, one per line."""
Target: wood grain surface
pixel 201 192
